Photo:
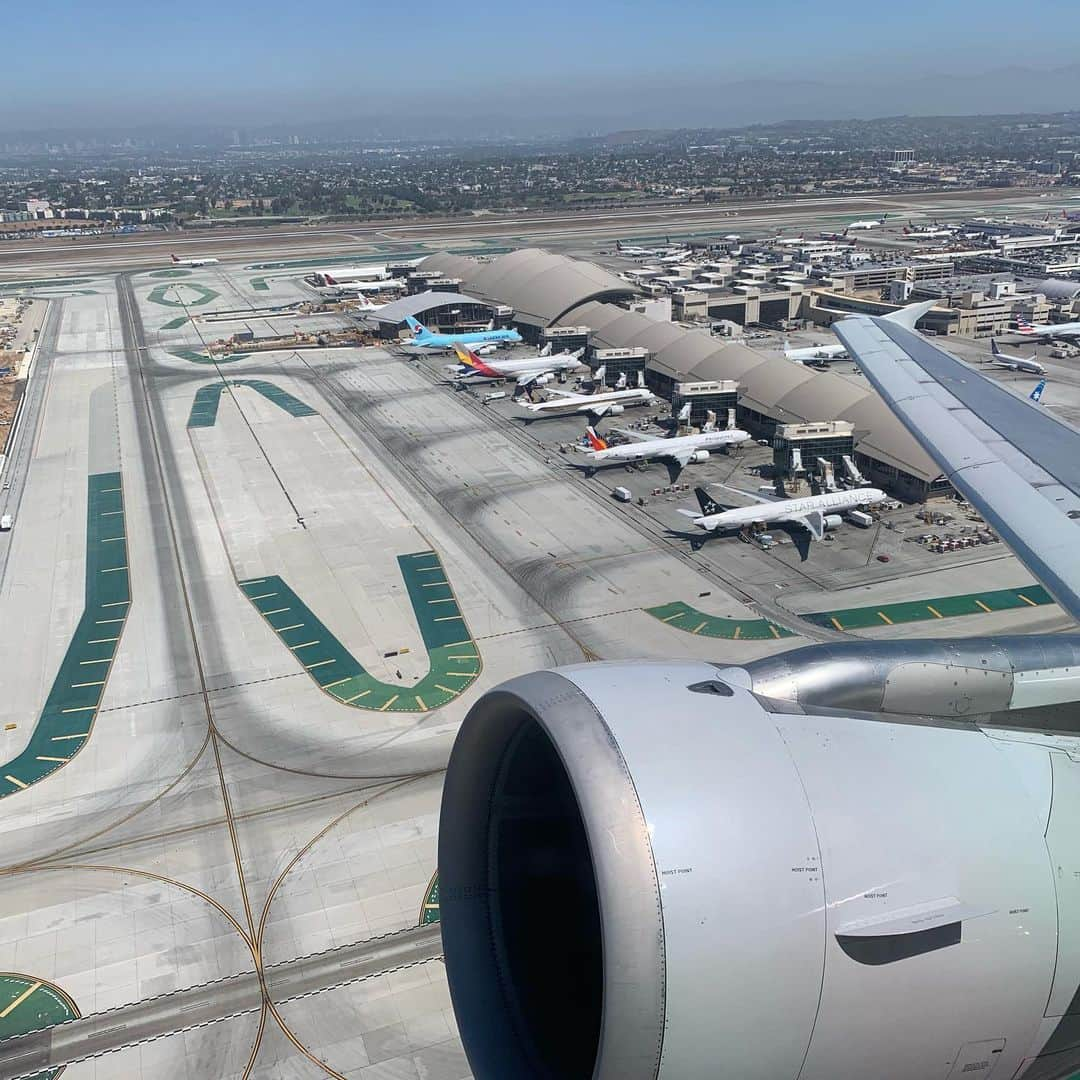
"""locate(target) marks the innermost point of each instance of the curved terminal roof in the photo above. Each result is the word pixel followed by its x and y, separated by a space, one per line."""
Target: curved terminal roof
pixel 1059 289
pixel 418 303
pixel 768 383
pixel 544 288
pixel 540 286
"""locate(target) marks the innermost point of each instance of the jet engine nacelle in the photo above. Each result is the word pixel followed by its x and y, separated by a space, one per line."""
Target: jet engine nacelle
pixel 699 456
pixel 543 380
pixel 646 873
pixel 484 350
pixel 833 521
pixel 615 410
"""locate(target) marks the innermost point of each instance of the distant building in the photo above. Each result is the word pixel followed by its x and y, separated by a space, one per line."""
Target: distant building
pixel 903 157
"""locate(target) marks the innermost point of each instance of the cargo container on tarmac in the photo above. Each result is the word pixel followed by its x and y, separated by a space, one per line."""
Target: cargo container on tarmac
pixel 860 518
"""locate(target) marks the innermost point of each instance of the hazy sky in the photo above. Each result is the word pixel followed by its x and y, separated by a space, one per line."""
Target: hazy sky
pixel 590 61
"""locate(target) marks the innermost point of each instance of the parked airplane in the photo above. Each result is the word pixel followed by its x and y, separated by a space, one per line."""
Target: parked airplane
pixel 602 403
pixel 906 316
pixel 350 275
pixel 423 338
pixel 848 830
pixel 815 513
pixel 1048 330
pixel 679 450
pixel 533 371
pixel 867 223
pixel 194 261
pixel 634 252
pixel 1014 363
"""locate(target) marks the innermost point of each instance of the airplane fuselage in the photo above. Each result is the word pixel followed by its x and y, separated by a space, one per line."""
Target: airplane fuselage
pixel 516 369
pixel 659 448
pixel 585 403
pixel 833 502
pixel 449 341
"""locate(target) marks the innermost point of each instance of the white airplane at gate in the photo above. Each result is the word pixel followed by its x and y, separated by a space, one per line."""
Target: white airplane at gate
pixel 604 403
pixel 815 513
pixel 681 450
pixel 533 371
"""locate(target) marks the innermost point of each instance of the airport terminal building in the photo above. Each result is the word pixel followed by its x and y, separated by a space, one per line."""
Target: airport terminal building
pixel 548 290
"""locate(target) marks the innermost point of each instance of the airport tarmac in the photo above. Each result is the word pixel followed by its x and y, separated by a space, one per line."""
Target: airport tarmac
pixel 250 600
pixel 587 232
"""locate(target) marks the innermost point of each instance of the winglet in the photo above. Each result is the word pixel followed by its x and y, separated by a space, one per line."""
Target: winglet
pixel 1037 393
pixel 908 316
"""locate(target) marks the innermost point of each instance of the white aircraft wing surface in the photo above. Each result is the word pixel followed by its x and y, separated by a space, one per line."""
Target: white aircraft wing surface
pixel 636 436
pixel 528 380
pixel 1018 463
pixel 813 522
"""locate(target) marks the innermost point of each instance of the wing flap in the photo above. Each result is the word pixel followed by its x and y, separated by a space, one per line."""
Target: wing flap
pixel 1019 465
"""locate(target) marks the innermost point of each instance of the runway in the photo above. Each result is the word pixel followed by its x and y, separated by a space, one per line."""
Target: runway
pixel 409 238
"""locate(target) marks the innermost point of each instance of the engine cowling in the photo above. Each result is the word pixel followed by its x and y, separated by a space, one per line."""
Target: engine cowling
pixel 699 456
pixel 833 521
pixel 543 380
pixel 616 410
pixel 647 872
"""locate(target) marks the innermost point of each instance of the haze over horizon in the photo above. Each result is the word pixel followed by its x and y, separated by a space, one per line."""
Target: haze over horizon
pixel 495 69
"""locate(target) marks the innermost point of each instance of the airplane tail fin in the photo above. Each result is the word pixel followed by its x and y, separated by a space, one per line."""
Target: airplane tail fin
pixel 594 440
pixel 707 503
pixel 994 347
pixel 174 258
pixel 418 329
pixel 1023 326
pixel 329 279
pixel 1037 393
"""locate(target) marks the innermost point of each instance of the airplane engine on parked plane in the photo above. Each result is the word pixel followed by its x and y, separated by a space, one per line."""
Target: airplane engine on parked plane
pixel 833 521
pixel 543 380
pixel 682 871
pixel 699 456
pixel 615 410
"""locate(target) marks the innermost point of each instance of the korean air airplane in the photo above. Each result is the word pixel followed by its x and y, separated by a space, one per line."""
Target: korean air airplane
pixel 423 338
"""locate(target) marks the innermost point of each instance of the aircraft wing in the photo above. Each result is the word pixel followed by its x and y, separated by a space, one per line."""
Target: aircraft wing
pixel 563 393
pixel 1019 465
pixel 813 523
pixel 636 436
pixel 528 380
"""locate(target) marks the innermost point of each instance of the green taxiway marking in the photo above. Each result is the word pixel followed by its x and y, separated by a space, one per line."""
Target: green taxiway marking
pixel 943 607
pixel 40 283
pixel 342 676
pixel 260 284
pixel 182 296
pixel 204 408
pixel 175 324
pixel 684 617
pixel 28 1004
pixel 73 701
pixel 429 909
pixel 193 356
pixel 174 272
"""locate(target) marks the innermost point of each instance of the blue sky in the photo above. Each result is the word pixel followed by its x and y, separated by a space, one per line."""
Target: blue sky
pixel 123 62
